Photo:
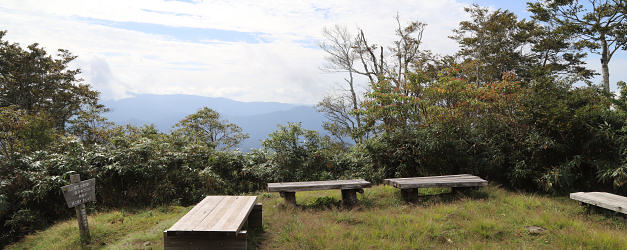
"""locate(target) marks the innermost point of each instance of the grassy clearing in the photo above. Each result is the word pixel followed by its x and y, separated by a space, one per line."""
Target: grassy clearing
pixel 487 218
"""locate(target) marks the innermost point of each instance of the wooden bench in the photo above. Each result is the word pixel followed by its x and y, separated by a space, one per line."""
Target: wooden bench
pixel 601 199
pixel 409 186
pixel 217 222
pixel 349 189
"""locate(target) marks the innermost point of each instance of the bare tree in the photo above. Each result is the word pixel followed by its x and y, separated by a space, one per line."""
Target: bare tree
pixel 341 55
pixel 357 56
pixel 406 49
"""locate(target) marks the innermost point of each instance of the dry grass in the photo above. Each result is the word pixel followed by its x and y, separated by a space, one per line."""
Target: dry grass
pixel 487 218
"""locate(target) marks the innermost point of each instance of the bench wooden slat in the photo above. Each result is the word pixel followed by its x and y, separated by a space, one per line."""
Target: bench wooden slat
pixel 317 185
pixel 463 180
pixel 601 199
pixel 197 214
pixel 222 218
pixel 216 214
pixel 237 209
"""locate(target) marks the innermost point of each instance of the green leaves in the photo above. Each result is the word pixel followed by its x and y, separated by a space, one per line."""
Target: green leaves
pixel 206 127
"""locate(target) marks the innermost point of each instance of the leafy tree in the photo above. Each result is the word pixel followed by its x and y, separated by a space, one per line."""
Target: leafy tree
pixel 36 82
pixel 555 55
pixel 493 43
pixel 90 126
pixel 21 132
pixel 205 126
pixel 600 25
pixel 298 153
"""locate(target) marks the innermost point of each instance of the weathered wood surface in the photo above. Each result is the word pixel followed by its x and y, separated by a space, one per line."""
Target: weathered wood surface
pixel 80 192
pixel 461 180
pixel 216 214
pixel 317 185
pixel 601 199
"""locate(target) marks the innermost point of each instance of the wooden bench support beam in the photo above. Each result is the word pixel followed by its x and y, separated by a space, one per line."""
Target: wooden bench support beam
pixel 255 222
pixel 290 197
pixel 409 194
pixel 173 241
pixel 349 196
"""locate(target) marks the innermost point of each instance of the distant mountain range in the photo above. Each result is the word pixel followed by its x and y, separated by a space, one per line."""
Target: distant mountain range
pixel 258 119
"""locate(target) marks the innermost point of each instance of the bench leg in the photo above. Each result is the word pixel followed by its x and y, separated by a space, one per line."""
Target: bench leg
pixel 409 194
pixel 349 196
pixel 290 197
pixel 255 222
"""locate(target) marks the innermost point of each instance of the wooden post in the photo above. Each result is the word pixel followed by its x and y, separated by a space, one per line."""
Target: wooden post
pixel 81 213
pixel 290 197
pixel 409 194
pixel 349 197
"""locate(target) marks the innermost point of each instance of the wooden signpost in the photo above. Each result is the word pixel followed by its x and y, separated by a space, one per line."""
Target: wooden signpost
pixel 76 195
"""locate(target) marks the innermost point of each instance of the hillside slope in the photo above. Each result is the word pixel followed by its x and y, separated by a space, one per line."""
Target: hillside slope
pixel 488 218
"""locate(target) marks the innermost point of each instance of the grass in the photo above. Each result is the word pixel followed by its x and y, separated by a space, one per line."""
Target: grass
pixel 487 218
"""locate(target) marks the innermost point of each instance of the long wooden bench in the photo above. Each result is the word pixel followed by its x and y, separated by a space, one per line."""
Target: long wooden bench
pixel 349 189
pixel 217 222
pixel 601 199
pixel 409 186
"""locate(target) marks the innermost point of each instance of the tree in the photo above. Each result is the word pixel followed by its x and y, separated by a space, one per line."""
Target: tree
pixel 36 82
pixel 393 67
pixel 205 126
pixel 339 45
pixel 600 25
pixel 493 43
pixel 22 132
pixel 90 126
pixel 554 53
pixel 297 153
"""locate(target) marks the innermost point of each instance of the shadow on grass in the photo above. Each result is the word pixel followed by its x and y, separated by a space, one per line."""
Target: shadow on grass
pixel 606 213
pixel 255 238
pixel 431 196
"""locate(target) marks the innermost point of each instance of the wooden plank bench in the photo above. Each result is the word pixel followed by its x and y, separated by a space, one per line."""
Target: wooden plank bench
pixel 349 189
pixel 601 199
pixel 409 186
pixel 217 222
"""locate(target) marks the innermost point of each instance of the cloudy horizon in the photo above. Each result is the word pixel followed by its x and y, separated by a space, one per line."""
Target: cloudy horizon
pixel 242 50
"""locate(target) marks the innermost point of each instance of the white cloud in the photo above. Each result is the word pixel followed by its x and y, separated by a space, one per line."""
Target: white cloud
pixel 119 62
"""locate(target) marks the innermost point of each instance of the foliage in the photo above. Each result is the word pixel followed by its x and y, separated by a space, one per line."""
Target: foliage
pixel 492 42
pixel 206 127
pixel 21 132
pixel 299 154
pixel 598 25
pixel 36 82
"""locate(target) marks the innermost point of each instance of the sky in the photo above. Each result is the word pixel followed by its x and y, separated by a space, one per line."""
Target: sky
pixel 245 50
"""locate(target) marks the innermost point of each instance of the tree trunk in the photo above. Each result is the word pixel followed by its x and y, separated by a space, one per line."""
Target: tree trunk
pixel 355 106
pixel 605 70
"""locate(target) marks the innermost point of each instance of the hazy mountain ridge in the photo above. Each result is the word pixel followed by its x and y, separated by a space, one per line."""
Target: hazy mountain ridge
pixel 258 119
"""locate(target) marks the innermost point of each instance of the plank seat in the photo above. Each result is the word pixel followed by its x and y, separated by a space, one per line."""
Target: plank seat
pixel 409 186
pixel 216 222
pixel 348 188
pixel 609 201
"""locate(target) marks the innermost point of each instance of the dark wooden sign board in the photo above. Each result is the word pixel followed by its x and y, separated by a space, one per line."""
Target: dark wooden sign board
pixel 79 193
pixel 76 195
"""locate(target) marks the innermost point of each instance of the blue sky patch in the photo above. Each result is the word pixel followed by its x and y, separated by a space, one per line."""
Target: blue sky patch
pixel 186 34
